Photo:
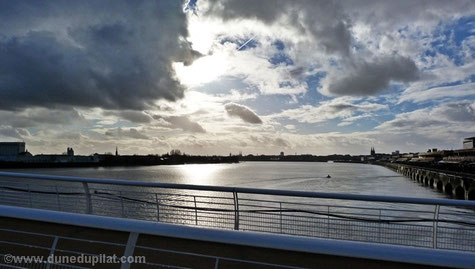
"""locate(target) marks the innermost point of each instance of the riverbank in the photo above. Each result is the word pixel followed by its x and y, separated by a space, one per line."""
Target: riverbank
pixel 112 160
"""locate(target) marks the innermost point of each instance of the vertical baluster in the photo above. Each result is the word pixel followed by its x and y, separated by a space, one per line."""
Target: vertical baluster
pixel 29 195
pixel 158 206
pixel 436 223
pixel 51 251
pixel 280 206
pixel 196 211
pixel 379 227
pixel 236 211
pixel 57 198
pixel 122 204
pixel 328 221
pixel 88 198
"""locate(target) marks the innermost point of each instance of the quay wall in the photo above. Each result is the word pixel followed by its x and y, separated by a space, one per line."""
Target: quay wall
pixel 456 185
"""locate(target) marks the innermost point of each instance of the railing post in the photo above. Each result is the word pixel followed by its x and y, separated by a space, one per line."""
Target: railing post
pixel 196 211
pixel 236 211
pixel 88 198
pixel 122 204
pixel 158 206
pixel 379 227
pixel 436 222
pixel 280 206
pixel 29 196
pixel 328 221
pixel 51 252
pixel 129 249
pixel 57 198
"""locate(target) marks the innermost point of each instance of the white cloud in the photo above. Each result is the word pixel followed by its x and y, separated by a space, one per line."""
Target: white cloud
pixel 448 121
pixel 243 112
pixel 435 93
pixel 338 108
pixel 431 86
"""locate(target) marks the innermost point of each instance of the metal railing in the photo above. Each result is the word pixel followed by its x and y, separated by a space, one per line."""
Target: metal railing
pixel 100 251
pixel 432 223
pixel 130 234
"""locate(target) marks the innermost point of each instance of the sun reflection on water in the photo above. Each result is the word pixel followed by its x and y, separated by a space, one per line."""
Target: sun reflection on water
pixel 200 174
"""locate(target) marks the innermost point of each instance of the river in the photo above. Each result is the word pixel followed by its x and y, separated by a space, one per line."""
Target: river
pixel 303 176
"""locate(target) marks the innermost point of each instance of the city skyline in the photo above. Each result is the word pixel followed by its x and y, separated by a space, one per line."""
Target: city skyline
pixel 213 77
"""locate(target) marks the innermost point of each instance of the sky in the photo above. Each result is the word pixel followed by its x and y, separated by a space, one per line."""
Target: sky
pixel 228 76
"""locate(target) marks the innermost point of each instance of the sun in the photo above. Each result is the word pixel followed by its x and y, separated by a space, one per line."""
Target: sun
pixel 203 70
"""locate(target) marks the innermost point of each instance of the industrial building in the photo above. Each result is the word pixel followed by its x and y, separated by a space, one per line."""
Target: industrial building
pixel 469 143
pixel 12 148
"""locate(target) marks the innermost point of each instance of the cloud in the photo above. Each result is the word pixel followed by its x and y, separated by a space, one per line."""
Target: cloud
pixel 322 21
pixel 393 15
pixel 431 94
pixel 433 84
pixel 446 117
pixel 113 56
pixel 338 108
pixel 126 133
pixel 242 112
pixel 270 141
pixel 352 119
pixel 368 78
pixel 36 117
pixel 10 132
pixel 181 122
pixel 131 115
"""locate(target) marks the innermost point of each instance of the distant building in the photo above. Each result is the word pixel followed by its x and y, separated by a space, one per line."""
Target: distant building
pixel 372 152
pixel 469 143
pixel 70 152
pixel 281 153
pixel 12 148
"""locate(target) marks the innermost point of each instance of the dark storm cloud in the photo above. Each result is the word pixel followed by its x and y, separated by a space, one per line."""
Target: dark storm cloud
pixel 324 21
pixel 390 15
pixel 242 112
pixel 10 132
pixel 109 54
pixel 181 122
pixel 367 78
pixel 40 116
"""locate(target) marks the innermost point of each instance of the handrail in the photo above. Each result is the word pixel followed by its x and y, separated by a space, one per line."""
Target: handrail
pixel 306 194
pixel 374 251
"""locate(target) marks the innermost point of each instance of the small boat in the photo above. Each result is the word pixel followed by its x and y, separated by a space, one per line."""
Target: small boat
pixel 329 176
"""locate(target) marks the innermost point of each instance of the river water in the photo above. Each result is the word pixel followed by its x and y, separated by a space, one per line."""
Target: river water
pixel 302 176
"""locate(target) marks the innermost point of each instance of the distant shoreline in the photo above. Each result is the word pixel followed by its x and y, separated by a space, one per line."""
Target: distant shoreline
pixel 132 160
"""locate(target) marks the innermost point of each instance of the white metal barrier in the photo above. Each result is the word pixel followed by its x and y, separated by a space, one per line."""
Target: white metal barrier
pixel 432 223
pixel 372 251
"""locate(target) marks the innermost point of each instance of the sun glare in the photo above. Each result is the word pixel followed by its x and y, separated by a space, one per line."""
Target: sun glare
pixel 200 174
pixel 203 70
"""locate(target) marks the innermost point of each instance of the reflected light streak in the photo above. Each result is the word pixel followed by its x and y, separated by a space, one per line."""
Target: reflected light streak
pixel 200 174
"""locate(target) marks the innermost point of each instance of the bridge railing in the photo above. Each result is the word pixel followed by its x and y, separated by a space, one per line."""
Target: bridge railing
pixel 48 236
pixel 432 223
